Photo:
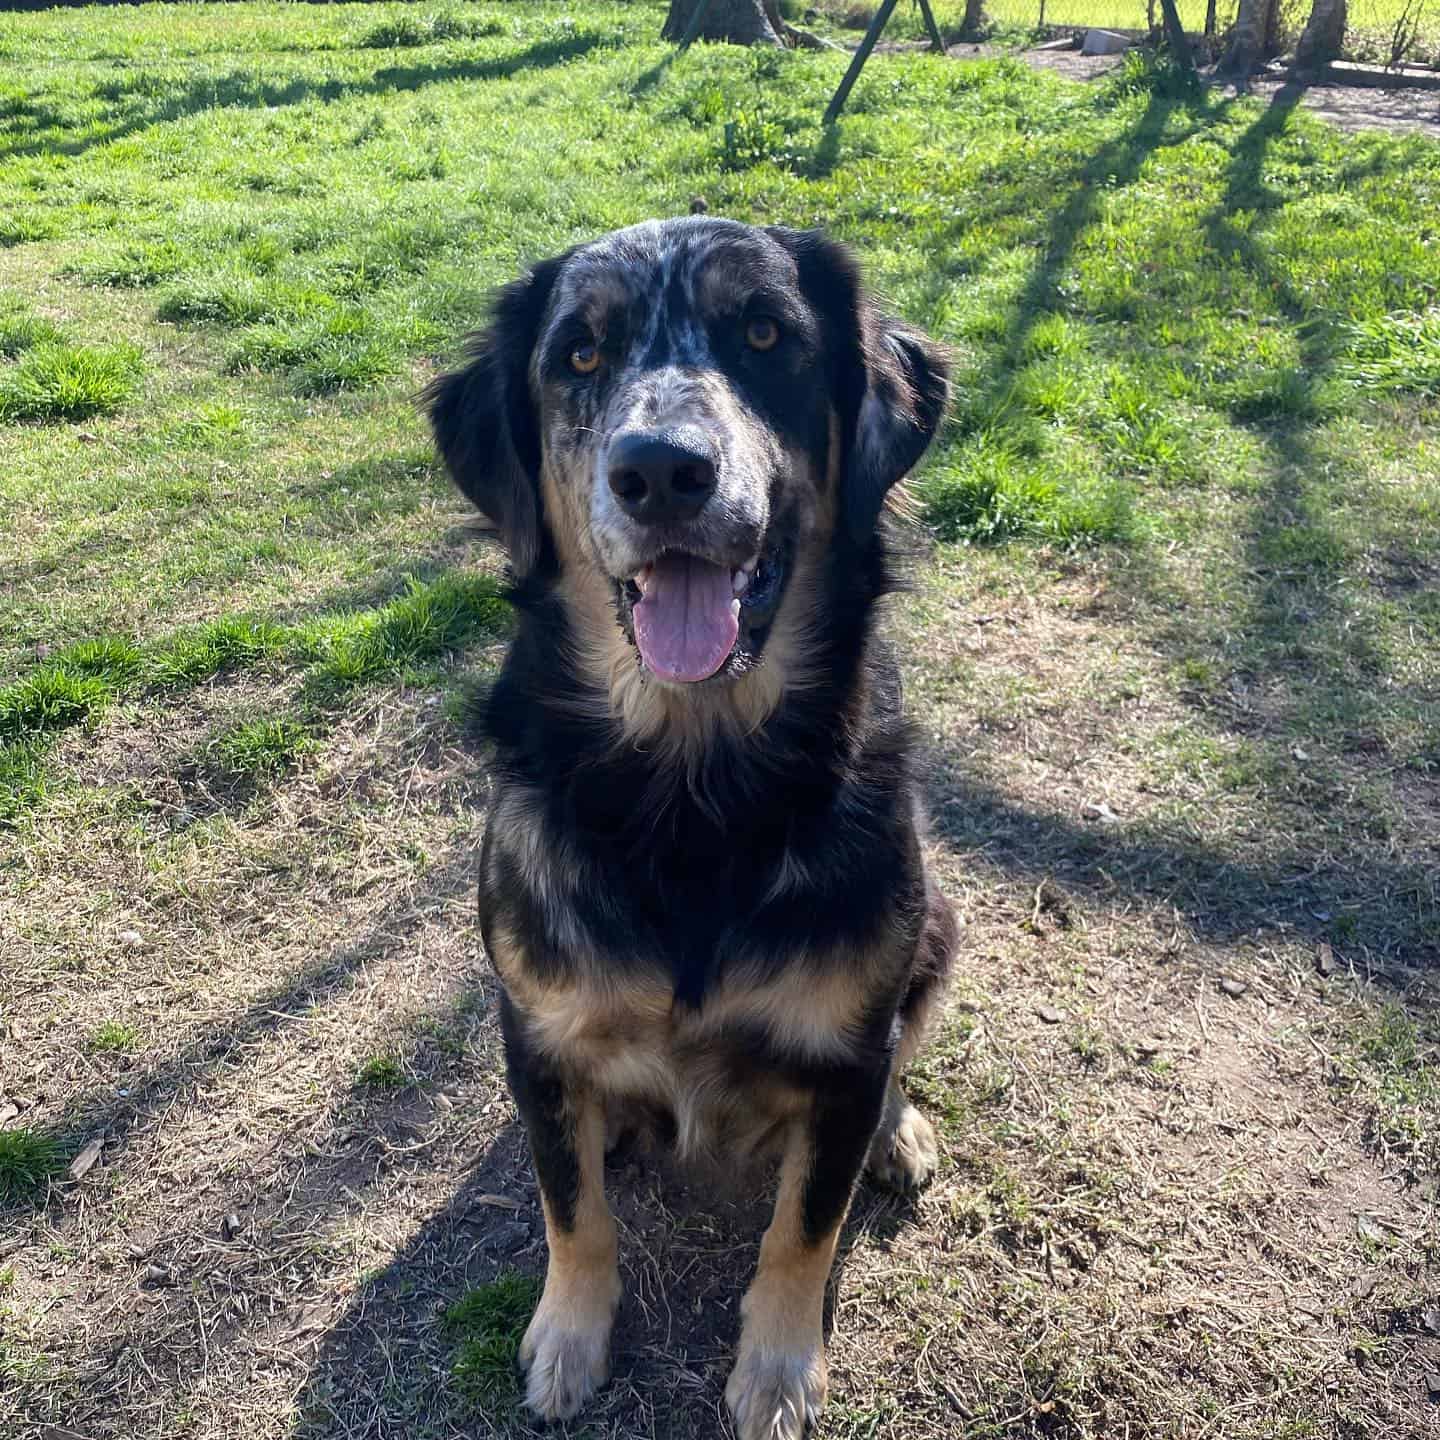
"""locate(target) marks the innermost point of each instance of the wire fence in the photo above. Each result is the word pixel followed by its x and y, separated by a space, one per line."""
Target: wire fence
pixel 1386 32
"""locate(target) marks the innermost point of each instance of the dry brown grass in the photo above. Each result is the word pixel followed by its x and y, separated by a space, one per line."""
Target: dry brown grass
pixel 1160 1211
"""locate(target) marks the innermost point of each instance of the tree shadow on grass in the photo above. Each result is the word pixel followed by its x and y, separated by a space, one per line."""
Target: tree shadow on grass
pixel 1301 649
pixel 246 90
pixel 1386 913
pixel 181 1078
pixel 688 1249
pixel 258 1268
pixel 215 1287
pixel 1384 906
pixel 1115 166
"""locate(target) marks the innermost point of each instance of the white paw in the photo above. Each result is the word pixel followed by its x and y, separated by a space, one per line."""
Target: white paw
pixel 567 1361
pixel 904 1154
pixel 776 1393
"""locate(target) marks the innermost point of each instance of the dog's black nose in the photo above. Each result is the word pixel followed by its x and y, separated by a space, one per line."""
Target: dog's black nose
pixel 663 478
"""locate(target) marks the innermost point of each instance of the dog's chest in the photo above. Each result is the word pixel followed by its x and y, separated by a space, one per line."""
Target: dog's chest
pixel 745 1046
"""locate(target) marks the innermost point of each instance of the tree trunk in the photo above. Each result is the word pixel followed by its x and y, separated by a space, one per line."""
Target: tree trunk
pixel 975 22
pixel 1176 38
pixel 741 22
pixel 1324 35
pixel 1253 26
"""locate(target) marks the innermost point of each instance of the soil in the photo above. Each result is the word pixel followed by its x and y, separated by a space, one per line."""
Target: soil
pixel 1351 107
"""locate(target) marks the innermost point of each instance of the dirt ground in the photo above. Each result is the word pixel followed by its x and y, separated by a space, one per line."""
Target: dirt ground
pixel 1163 1209
pixel 1351 107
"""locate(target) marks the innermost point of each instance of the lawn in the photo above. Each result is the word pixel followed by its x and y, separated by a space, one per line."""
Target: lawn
pixel 1172 642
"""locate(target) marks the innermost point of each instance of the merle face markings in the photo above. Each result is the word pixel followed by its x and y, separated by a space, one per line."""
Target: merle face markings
pixel 693 334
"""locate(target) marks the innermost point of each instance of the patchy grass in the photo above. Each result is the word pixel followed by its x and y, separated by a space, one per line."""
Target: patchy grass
pixel 260 749
pixel 20 331
pixel 486 1328
pixel 1395 1069
pixel 424 622
pixel 338 654
pixel 114 1037
pixel 27 1160
pixel 51 699
pixel 1173 653
pixel 229 643
pixel 411 30
pixel 56 381
pixel 381 1072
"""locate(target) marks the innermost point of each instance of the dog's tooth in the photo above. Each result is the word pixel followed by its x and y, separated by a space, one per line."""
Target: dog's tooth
pixel 740 582
pixel 735 607
pixel 642 578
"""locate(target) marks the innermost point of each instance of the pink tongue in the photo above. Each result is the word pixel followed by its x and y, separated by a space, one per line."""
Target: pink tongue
pixel 686 624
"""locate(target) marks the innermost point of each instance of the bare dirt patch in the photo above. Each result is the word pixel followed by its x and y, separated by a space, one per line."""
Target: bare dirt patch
pixel 1402 110
pixel 1159 1212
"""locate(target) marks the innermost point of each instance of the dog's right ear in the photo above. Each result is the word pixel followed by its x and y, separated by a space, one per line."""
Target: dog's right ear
pixel 484 420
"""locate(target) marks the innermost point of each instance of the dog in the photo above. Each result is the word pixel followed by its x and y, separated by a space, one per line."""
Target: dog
pixel 702 882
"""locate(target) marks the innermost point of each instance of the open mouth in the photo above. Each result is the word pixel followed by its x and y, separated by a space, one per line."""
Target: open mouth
pixel 690 616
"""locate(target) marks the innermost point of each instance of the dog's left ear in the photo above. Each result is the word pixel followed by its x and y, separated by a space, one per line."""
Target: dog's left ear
pixel 891 383
pixel 907 386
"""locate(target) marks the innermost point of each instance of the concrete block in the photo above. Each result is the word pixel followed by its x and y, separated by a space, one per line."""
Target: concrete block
pixel 1103 42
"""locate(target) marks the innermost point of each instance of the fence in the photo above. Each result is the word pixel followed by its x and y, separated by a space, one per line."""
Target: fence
pixel 1383 31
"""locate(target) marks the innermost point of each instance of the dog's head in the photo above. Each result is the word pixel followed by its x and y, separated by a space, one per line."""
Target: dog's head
pixel 682 417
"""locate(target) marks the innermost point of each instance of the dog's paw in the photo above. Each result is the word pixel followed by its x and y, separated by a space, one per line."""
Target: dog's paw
pixel 567 1358
pixel 777 1392
pixel 904 1153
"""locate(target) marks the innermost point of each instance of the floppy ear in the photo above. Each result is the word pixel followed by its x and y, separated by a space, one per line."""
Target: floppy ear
pixel 484 420
pixel 890 382
pixel 907 386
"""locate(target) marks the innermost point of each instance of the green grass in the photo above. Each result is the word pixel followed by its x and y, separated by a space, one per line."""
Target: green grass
pixel 422 623
pixel 27 1160
pixel 114 1037
pixel 56 381
pixel 412 30
pixel 230 643
pixel 1395 1067
pixel 20 331
pixel 1397 352
pixel 54 698
pixel 381 1072
pixel 260 749
pixel 486 1328
pixel 1164 310
pixel 336 654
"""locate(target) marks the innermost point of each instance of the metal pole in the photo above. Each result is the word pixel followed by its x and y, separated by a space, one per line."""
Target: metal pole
pixel 937 41
pixel 832 111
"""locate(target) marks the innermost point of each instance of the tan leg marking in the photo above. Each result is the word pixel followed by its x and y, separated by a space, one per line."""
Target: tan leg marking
pixel 903 1153
pixel 777 1388
pixel 566 1350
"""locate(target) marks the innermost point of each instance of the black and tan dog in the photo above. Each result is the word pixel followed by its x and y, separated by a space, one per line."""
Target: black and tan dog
pixel 702 885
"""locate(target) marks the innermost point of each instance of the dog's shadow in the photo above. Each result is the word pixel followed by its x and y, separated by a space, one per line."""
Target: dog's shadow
pixel 688 1249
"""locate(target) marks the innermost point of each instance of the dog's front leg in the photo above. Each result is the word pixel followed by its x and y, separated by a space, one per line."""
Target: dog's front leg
pixel 566 1350
pixel 777 1387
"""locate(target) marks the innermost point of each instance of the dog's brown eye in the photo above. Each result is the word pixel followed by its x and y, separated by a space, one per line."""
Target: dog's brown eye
pixel 585 359
pixel 762 333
